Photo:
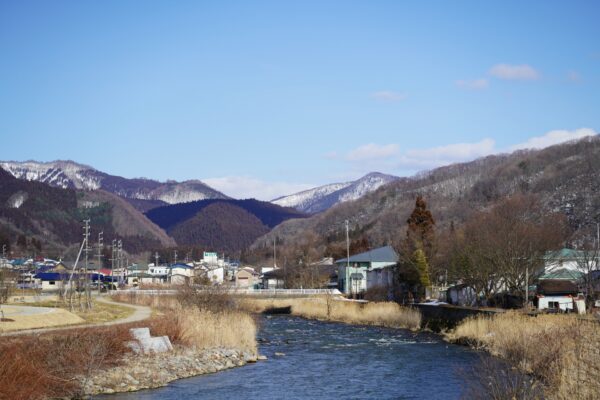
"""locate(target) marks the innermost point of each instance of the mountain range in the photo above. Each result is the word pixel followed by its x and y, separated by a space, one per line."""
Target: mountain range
pixel 47 202
pixel 50 200
pixel 53 216
pixel 565 178
pixel 69 174
pixel 324 197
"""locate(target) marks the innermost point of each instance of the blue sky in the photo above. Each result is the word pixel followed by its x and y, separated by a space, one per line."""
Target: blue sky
pixel 266 98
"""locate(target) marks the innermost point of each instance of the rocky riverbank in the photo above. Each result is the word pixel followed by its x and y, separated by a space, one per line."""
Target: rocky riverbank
pixel 139 372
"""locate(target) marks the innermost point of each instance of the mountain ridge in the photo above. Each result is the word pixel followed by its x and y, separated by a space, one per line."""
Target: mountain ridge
pixel 323 197
pixel 564 177
pixel 226 224
pixel 69 174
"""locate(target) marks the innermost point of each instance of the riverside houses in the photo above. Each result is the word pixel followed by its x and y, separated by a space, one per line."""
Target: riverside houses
pixel 366 270
pixel 181 274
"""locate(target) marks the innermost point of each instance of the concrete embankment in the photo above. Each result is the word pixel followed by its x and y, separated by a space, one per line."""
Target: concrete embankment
pixel 151 371
pixel 444 317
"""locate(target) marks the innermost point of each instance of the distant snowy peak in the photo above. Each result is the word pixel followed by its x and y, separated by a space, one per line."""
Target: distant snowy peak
pixel 324 197
pixel 303 200
pixel 68 174
pixel 367 184
pixel 64 174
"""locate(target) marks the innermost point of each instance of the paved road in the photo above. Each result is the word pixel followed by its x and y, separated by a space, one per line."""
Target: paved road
pixel 140 313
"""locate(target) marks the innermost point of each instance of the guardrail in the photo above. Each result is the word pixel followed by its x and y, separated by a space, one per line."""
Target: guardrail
pixel 240 291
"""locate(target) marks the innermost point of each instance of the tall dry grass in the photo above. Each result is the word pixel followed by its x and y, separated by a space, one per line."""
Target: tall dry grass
pixel 203 328
pixel 387 314
pixel 562 351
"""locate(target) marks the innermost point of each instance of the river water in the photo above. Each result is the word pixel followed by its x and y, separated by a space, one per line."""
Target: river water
pixel 333 361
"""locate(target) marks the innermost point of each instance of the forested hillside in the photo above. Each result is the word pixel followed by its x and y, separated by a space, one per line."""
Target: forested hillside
pixel 565 178
pixel 223 225
pixel 35 216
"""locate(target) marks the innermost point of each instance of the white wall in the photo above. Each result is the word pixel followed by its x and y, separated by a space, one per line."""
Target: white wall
pixel 564 302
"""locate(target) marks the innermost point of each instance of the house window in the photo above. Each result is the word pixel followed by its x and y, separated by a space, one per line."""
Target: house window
pixel 553 304
pixel 51 283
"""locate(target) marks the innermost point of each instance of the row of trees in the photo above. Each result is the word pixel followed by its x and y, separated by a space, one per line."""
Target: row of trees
pixel 498 250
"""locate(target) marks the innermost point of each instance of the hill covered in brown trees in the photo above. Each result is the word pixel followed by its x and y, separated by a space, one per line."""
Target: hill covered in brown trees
pixel 564 178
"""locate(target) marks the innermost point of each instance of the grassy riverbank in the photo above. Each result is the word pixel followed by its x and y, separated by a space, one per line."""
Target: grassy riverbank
pixel 62 365
pixel 330 309
pixel 202 327
pixel 561 351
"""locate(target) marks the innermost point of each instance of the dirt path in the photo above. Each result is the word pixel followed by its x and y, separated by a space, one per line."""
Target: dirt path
pixel 140 313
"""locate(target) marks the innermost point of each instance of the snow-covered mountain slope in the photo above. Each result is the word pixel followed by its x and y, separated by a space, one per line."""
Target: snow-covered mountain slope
pixel 68 174
pixel 323 197
pixel 304 200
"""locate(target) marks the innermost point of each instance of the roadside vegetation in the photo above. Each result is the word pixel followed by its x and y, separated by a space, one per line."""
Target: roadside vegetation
pixel 327 308
pixel 562 353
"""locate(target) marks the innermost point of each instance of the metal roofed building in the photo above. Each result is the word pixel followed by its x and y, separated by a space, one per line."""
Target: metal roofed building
pixel 365 270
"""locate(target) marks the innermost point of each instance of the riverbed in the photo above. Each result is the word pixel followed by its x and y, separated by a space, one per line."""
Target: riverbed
pixel 322 360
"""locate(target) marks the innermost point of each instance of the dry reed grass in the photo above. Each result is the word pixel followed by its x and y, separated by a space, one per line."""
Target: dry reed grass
pixel 201 328
pixel 562 351
pixel 387 314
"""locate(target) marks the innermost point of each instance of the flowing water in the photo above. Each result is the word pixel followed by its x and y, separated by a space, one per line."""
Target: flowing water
pixel 333 361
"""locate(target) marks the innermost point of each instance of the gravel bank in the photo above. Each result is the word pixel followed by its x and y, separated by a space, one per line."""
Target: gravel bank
pixel 152 371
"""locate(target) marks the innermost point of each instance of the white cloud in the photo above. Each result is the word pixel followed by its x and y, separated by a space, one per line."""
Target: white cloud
pixel 388 96
pixel 473 84
pixel 514 72
pixel 372 151
pixel 554 137
pixel 389 158
pixel 243 187
pixel 443 155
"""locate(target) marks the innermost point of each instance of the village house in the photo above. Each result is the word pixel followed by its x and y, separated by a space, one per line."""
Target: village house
pixel 361 272
pixel 271 278
pixel 556 294
pixel 216 275
pixel 180 274
pixel 568 263
pixel 246 278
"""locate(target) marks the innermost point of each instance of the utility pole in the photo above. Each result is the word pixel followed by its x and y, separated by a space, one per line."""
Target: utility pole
pixel 274 253
pixel 99 256
pixel 174 256
pixel 112 262
pixel 156 258
pixel 87 249
pixel 120 253
pixel 348 253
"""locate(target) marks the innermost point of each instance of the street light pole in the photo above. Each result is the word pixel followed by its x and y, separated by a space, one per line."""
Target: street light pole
pixel 348 255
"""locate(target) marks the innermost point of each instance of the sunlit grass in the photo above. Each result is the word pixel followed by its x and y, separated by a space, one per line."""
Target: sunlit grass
pixel 387 314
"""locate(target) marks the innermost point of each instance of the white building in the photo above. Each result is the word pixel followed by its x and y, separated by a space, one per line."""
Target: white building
pixel 158 269
pixel 216 275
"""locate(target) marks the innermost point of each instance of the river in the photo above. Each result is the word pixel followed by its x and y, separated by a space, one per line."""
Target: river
pixel 333 361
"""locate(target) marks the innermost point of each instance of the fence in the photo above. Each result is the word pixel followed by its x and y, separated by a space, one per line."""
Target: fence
pixel 240 291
